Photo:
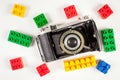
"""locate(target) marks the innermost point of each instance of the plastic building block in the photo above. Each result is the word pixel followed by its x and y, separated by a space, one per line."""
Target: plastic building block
pixel 105 11
pixel 20 38
pixel 70 11
pixel 79 63
pixel 103 66
pixel 40 20
pixel 19 10
pixel 43 69
pixel 16 63
pixel 108 40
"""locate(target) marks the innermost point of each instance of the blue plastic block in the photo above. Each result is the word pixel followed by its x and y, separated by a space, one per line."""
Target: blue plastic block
pixel 103 66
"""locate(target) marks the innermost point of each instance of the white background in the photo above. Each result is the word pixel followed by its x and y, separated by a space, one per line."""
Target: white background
pixel 53 10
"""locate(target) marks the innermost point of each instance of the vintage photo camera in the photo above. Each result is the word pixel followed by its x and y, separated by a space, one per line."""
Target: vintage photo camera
pixel 68 39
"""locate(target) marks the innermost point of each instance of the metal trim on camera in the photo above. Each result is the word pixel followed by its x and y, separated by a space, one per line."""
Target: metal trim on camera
pixel 71 39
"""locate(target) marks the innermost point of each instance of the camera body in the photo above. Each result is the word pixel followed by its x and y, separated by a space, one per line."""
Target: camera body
pixel 68 39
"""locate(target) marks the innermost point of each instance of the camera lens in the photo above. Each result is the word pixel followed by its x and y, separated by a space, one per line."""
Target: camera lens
pixel 72 42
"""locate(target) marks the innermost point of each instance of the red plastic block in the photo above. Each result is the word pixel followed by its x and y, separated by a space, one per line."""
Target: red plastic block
pixel 43 69
pixel 105 11
pixel 70 11
pixel 16 63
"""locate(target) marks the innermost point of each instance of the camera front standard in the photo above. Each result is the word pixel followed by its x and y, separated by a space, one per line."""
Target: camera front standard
pixel 68 39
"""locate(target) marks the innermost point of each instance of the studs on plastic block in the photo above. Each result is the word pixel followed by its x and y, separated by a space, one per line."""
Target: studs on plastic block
pixel 70 11
pixel 20 38
pixel 16 63
pixel 79 63
pixel 108 40
pixel 19 10
pixel 105 11
pixel 103 66
pixel 43 69
pixel 40 20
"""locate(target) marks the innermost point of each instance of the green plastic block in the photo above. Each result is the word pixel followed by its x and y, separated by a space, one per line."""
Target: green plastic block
pixel 40 20
pixel 20 38
pixel 108 40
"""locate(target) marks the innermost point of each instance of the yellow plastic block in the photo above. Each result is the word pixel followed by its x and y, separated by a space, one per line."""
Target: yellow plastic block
pixel 73 68
pixel 67 69
pixel 83 65
pixel 78 66
pixel 87 59
pixel 19 10
pixel 79 63
pixel 72 63
pixel 92 58
pixel 94 63
pixel 88 64
pixel 82 61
